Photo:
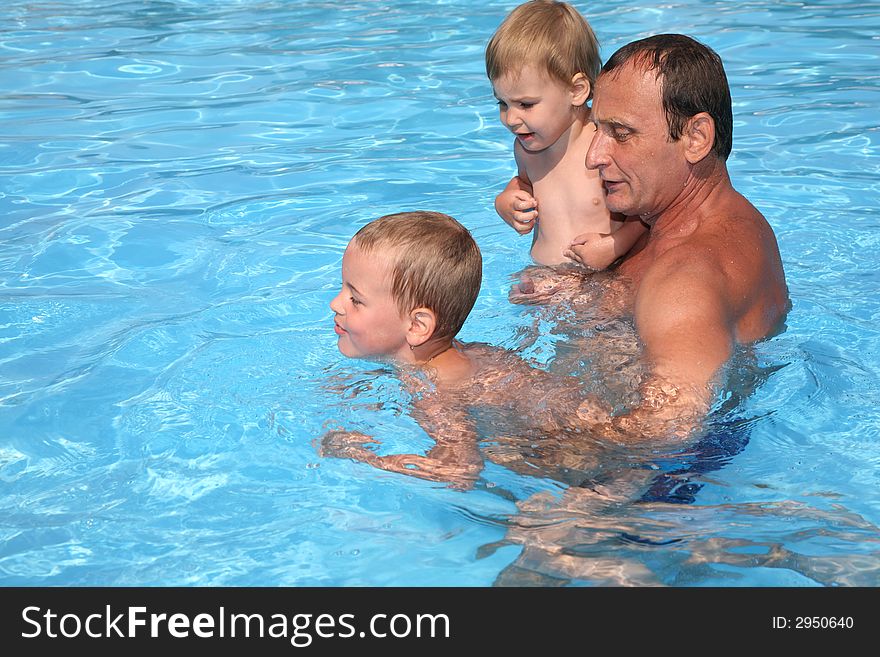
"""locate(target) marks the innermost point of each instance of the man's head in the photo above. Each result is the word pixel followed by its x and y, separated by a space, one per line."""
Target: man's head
pixel 407 278
pixel 550 36
pixel 663 121
pixel 692 80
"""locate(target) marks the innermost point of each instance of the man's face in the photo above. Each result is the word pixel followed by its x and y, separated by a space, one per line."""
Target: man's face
pixel 642 172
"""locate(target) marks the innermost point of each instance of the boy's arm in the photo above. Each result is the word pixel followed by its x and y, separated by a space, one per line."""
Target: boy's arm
pixel 455 457
pixel 598 250
pixel 516 204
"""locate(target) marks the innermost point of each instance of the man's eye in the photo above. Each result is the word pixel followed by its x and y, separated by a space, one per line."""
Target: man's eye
pixel 621 135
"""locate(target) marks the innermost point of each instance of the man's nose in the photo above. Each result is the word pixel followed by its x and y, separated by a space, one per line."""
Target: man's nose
pixel 597 153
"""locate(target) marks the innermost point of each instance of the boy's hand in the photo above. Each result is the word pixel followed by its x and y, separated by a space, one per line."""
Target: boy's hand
pixel 518 208
pixel 347 445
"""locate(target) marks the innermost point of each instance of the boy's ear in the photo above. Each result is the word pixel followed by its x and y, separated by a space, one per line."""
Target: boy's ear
pixel 422 324
pixel 699 136
pixel 580 89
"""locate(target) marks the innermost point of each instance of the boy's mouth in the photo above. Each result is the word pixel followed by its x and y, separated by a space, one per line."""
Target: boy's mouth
pixel 338 329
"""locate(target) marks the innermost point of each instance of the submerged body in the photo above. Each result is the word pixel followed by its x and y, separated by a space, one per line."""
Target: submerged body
pixel 456 411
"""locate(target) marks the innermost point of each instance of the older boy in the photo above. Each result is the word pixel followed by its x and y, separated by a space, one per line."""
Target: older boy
pixel 409 281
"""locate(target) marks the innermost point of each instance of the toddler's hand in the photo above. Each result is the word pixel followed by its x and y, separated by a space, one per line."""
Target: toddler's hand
pixel 519 209
pixel 583 249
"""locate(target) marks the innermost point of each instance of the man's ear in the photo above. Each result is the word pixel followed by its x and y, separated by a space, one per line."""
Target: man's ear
pixel 699 136
pixel 580 89
pixel 422 324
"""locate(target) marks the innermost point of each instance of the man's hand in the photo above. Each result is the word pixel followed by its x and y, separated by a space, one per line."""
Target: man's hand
pixel 542 285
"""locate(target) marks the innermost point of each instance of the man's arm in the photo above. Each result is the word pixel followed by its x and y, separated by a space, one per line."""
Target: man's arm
pixel 683 318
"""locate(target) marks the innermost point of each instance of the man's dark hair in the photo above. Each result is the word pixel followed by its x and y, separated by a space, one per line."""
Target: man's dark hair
pixel 692 80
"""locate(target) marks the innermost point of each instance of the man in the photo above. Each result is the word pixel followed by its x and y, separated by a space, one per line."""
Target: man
pixel 707 276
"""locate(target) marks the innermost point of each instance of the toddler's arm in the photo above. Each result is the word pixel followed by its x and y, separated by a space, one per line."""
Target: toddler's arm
pixel 517 206
pixel 598 250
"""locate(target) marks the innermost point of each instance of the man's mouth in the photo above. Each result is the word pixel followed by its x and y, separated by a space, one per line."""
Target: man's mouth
pixel 611 186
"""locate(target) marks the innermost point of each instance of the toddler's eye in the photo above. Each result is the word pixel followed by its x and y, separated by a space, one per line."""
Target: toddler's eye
pixel 354 301
pixel 527 105
pixel 502 104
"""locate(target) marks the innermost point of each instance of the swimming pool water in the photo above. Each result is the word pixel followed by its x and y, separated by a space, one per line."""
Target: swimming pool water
pixel 179 180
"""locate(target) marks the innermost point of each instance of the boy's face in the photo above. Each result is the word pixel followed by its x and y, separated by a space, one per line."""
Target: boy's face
pixel 368 322
pixel 534 107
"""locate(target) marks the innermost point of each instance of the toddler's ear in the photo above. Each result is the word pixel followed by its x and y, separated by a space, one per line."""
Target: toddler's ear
pixel 422 324
pixel 580 89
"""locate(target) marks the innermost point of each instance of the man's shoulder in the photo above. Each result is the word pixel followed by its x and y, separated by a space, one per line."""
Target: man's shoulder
pixel 730 262
pixel 691 264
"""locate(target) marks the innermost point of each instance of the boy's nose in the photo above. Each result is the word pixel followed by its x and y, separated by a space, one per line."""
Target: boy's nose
pixel 511 118
pixel 335 305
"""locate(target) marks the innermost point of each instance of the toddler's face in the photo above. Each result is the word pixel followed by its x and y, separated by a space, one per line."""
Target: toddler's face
pixel 367 321
pixel 534 107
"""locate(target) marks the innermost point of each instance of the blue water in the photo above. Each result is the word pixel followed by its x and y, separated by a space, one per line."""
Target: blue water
pixel 179 180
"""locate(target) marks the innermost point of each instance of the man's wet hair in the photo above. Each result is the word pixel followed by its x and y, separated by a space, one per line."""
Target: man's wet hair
pixel 692 80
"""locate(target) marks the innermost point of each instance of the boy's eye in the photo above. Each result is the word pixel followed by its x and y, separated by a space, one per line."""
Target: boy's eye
pixel 527 105
pixel 354 301
pixel 502 104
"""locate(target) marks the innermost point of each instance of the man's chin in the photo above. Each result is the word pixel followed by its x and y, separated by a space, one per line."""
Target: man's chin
pixel 618 205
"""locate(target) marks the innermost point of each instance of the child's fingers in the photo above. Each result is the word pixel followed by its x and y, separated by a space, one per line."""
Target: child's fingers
pixel 583 238
pixel 527 204
pixel 572 253
pixel 527 216
pixel 523 227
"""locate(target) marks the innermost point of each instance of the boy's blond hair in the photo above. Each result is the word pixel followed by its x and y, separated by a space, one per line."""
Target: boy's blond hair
pixel 552 36
pixel 435 264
